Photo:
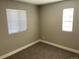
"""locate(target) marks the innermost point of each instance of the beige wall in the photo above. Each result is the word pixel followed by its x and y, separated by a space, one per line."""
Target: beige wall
pixel 50 19
pixel 51 24
pixel 11 42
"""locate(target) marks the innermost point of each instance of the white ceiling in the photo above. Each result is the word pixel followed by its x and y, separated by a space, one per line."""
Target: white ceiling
pixel 39 2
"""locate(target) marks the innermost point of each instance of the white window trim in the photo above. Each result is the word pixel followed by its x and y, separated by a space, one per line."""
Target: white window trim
pixel 63 20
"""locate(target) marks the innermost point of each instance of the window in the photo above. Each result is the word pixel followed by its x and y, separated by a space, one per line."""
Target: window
pixel 16 20
pixel 67 24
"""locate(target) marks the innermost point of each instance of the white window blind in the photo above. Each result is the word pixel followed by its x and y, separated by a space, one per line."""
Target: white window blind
pixel 67 24
pixel 16 20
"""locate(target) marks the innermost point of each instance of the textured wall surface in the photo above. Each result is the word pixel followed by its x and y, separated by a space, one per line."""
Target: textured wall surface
pixel 11 42
pixel 51 24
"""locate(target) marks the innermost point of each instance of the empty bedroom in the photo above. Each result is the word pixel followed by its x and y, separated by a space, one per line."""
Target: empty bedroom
pixel 39 29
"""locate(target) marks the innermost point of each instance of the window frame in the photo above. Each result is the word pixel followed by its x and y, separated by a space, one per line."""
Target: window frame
pixel 67 21
pixel 19 20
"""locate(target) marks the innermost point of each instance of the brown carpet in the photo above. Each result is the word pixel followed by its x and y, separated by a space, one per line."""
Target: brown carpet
pixel 44 51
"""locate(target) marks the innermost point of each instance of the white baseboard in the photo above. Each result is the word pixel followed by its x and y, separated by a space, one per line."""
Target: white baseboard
pixel 43 41
pixel 60 46
pixel 18 50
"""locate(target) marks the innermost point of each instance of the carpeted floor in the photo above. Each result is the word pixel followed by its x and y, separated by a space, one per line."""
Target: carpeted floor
pixel 44 51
